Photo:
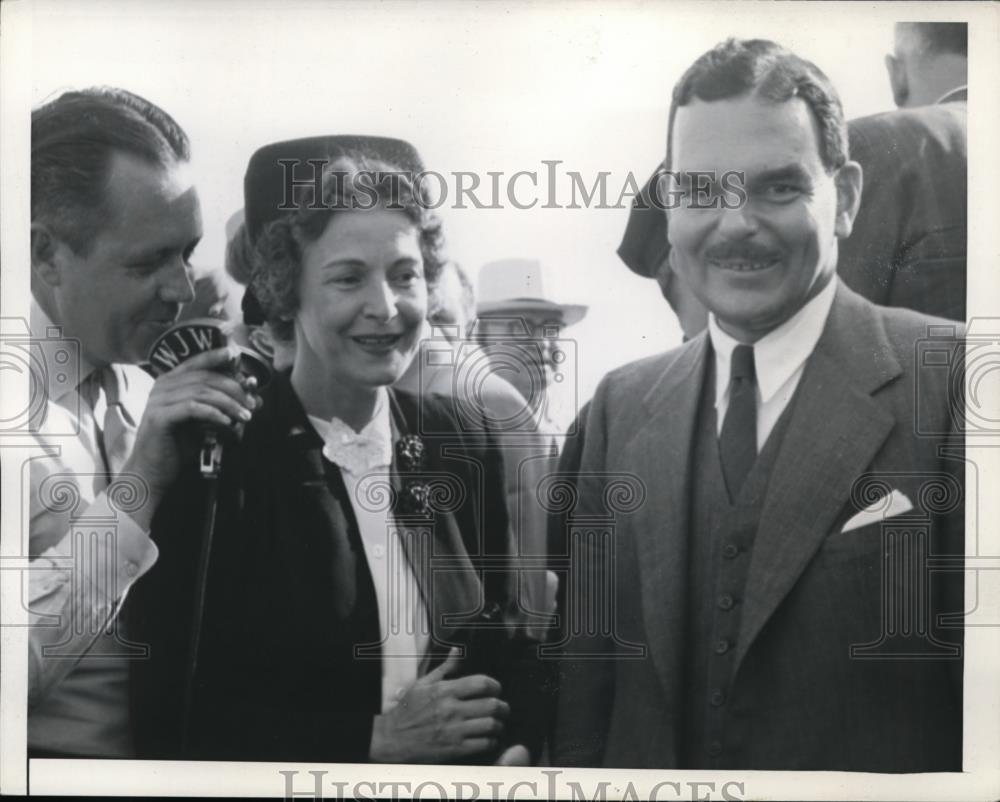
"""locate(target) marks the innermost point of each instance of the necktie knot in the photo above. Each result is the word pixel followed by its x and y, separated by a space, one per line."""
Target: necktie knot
pixel 741 365
pixel 115 427
pixel 109 383
pixel 90 389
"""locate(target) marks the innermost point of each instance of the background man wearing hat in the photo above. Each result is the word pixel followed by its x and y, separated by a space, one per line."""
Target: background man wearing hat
pixel 513 307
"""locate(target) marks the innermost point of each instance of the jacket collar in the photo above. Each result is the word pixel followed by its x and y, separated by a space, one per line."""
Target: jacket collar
pixel 833 414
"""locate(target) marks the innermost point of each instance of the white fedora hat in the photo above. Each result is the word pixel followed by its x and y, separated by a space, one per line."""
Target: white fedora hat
pixel 509 286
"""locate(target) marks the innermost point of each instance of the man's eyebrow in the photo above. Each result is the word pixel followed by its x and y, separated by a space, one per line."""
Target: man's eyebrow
pixel 163 251
pixel 788 172
pixel 149 254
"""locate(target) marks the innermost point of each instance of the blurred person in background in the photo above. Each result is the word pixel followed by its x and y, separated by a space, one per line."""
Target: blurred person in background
pixel 519 327
pixel 909 243
pixel 250 328
pixel 451 365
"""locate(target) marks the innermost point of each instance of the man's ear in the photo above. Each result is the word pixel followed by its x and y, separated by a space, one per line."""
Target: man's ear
pixel 898 79
pixel 45 254
pixel 849 181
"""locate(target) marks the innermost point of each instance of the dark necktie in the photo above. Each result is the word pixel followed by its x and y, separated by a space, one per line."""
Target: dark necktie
pixel 738 440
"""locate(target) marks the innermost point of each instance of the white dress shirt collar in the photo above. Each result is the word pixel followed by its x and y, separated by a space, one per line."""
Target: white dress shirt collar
pixel 779 354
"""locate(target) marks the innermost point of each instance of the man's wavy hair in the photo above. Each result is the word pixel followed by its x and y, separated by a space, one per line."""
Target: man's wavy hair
pixel 74 139
pixel 348 184
pixel 765 69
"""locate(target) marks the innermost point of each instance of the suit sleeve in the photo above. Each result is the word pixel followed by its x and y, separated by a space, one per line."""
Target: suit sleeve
pixel 527 680
pixel 75 591
pixel 868 258
pixel 908 244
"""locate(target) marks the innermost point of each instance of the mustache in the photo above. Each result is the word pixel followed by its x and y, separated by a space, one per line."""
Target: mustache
pixel 742 251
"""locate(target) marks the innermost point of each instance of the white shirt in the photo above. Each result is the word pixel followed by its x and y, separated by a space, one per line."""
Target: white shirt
pixel 779 360
pixel 78 672
pixel 403 620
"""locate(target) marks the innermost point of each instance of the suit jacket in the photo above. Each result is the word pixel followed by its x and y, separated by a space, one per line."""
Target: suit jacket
pixel 908 247
pixel 290 665
pixel 798 700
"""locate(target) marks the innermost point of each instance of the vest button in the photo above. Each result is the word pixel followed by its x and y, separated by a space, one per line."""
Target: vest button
pixel 721 646
pixel 715 749
pixel 726 602
pixel 730 550
pixel 717 698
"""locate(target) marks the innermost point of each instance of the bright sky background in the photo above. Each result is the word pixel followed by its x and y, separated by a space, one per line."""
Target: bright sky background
pixel 475 86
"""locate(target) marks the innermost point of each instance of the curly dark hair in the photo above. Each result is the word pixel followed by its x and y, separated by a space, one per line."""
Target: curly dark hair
pixel 740 67
pixel 350 183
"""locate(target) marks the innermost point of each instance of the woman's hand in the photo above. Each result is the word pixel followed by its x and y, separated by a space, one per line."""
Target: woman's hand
pixel 441 719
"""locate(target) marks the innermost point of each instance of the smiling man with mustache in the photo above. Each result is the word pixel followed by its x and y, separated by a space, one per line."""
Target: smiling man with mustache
pixel 750 625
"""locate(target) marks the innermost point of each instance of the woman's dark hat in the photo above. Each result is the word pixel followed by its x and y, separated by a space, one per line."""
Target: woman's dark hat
pixel 267 186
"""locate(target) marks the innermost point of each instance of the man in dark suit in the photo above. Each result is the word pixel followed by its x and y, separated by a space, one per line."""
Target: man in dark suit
pixel 778 464
pixel 909 242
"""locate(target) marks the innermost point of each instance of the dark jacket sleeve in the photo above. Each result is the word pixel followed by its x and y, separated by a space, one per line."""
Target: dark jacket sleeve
pixel 529 681
pixel 507 653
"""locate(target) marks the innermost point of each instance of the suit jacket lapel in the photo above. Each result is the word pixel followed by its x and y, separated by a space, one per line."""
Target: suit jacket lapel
pixel 835 430
pixel 317 503
pixel 446 591
pixel 660 454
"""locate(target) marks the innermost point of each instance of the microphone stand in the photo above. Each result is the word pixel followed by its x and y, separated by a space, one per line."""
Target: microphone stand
pixel 174 346
pixel 210 464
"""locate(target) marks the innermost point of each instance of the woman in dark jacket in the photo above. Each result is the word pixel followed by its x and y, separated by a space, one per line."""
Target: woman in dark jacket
pixel 359 596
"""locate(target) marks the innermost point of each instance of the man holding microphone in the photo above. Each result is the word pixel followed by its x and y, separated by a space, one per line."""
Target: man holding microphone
pixel 114 221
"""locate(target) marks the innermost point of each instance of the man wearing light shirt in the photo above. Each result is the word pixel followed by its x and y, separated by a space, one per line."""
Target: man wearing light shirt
pixel 114 220
pixel 751 628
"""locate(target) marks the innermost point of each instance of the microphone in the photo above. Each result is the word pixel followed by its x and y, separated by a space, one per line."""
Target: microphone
pixel 189 338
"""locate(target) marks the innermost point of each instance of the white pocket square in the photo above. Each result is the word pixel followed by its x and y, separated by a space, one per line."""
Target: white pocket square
pixel 896 503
